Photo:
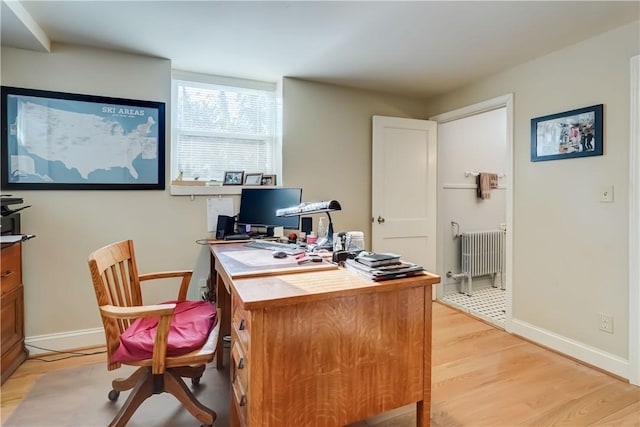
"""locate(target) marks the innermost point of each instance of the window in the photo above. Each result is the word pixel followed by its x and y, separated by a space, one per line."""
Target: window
pixel 221 124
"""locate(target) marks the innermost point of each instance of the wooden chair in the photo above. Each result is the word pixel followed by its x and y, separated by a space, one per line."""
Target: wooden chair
pixel 117 287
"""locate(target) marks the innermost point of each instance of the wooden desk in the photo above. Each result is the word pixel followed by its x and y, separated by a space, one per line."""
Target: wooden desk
pixel 322 347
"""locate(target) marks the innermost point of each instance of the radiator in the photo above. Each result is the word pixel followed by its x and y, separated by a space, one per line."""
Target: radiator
pixel 482 253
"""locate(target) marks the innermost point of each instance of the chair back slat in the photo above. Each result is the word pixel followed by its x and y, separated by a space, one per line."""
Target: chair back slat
pixel 116 282
pixel 120 293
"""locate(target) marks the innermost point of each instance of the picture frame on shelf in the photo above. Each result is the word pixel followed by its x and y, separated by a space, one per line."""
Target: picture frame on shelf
pixel 253 179
pixel 570 134
pixel 233 178
pixel 68 141
pixel 268 180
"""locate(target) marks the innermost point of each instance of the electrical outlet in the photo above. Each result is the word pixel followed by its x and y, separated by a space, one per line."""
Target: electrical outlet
pixel 204 289
pixel 606 194
pixel 606 323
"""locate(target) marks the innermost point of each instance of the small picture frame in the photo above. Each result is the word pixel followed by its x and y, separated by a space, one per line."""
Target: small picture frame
pixel 575 133
pixel 233 178
pixel 253 179
pixel 269 180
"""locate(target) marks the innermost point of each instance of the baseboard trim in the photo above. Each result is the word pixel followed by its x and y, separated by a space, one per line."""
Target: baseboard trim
pixel 64 341
pixel 582 352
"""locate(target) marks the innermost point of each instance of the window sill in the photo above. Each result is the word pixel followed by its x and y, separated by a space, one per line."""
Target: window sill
pixel 204 190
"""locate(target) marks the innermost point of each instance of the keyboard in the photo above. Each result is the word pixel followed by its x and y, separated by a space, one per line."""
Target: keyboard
pixel 288 248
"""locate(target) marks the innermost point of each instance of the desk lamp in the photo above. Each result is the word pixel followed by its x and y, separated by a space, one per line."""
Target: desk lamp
pixel 313 208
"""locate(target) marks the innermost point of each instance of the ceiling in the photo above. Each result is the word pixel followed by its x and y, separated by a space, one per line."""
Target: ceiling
pixel 418 49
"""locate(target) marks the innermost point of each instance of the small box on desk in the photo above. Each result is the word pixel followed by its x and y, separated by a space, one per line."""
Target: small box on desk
pixel 225 226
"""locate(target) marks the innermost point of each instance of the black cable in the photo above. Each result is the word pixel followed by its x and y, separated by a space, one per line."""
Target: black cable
pixel 63 358
pixel 70 353
pixel 204 241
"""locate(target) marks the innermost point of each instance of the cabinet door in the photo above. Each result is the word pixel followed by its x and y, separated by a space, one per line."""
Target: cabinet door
pixel 11 268
pixel 11 321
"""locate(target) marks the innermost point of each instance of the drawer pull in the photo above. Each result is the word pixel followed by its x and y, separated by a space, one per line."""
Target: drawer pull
pixel 237 356
pixel 239 394
pixel 241 327
pixel 6 274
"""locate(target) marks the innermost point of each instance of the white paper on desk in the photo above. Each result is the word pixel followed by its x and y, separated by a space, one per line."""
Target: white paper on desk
pixel 218 206
pixel 11 238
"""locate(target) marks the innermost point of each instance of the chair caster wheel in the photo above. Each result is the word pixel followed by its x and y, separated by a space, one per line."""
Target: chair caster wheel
pixel 195 381
pixel 113 395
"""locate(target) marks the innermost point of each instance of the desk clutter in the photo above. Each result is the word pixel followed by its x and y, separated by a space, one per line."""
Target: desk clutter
pixel 278 209
pixel 382 266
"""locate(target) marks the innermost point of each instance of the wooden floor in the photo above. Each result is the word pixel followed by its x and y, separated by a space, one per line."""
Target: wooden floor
pixel 482 376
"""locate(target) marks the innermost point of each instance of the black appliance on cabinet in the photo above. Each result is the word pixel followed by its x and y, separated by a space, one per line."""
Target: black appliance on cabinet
pixel 10 220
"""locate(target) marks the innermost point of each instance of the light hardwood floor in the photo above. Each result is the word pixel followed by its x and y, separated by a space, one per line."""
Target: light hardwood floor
pixel 482 376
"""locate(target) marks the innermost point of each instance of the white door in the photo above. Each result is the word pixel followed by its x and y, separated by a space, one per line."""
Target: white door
pixel 404 189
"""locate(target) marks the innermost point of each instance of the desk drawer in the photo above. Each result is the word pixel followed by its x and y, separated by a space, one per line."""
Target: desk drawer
pixel 239 397
pixel 10 268
pixel 240 365
pixel 241 324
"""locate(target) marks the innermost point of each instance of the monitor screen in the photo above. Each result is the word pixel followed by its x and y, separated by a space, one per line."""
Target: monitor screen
pixel 258 207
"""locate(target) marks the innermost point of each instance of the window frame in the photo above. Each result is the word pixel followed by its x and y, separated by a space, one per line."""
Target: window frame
pixel 193 188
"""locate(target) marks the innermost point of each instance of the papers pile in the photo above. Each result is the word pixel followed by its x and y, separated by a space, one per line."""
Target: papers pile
pixel 382 266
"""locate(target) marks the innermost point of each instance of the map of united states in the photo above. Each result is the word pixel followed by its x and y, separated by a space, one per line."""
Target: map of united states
pixel 86 142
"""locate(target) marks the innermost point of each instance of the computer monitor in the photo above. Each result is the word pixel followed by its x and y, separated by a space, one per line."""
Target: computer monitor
pixel 258 207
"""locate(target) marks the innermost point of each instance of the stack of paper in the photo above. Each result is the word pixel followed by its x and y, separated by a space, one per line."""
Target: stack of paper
pixel 377 259
pixel 386 267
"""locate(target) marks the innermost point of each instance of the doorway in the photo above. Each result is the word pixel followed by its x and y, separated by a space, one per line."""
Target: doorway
pixel 472 140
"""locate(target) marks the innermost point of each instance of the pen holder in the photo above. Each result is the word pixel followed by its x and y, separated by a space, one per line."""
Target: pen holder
pixel 354 241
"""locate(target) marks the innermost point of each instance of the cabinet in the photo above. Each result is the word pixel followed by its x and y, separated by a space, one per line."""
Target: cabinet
pixel 12 310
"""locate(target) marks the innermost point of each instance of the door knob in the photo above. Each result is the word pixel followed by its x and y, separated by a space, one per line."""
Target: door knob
pixel 380 220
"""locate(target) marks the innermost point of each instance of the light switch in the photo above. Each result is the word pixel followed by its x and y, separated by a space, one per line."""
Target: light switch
pixel 606 194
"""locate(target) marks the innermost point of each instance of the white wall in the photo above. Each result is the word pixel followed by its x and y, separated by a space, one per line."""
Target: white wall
pixel 327 145
pixel 570 255
pixel 69 225
pixel 471 144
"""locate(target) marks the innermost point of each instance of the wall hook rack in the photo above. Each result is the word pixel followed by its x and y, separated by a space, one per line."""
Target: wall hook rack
pixel 469 173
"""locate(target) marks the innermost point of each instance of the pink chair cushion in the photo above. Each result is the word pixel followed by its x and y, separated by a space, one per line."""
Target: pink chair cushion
pixel 191 324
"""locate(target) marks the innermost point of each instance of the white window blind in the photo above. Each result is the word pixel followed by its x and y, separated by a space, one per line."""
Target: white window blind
pixel 223 127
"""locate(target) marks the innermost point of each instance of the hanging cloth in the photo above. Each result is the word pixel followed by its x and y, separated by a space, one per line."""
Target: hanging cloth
pixel 485 182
